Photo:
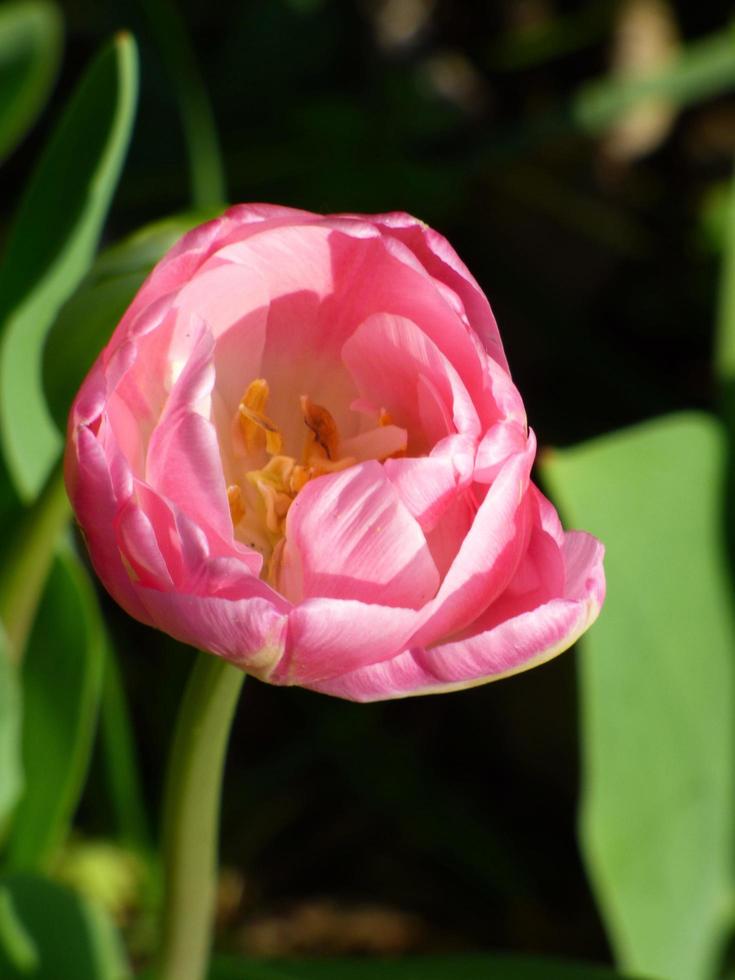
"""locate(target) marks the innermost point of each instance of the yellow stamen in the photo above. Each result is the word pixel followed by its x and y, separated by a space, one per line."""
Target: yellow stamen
pixel 237 504
pixel 257 429
pixel 385 418
pixel 323 427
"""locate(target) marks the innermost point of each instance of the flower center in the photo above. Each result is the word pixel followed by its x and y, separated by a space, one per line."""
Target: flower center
pixel 259 503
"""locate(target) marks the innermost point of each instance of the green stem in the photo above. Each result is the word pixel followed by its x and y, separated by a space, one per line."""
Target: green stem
pixel 191 816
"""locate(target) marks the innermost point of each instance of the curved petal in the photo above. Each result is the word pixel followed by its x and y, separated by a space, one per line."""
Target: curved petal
pixel 427 485
pixel 349 536
pixel 513 645
pixel 488 555
pixel 249 632
pixel 95 500
pixel 328 636
pixel 441 261
pixel 397 367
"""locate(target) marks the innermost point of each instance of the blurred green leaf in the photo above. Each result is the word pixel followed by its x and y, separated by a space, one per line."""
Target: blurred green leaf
pixel 658 692
pixel 704 68
pixel 51 247
pixel 30 48
pixel 62 675
pixel 11 768
pixel 725 346
pixel 207 174
pixel 467 967
pixel 68 938
pixel 29 549
pixel 17 948
pixel 87 320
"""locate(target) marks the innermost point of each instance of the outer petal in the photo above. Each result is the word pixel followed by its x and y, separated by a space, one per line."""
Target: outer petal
pixel 488 556
pixel 348 536
pixel 328 636
pixel 442 262
pixel 96 499
pixel 249 631
pixel 513 645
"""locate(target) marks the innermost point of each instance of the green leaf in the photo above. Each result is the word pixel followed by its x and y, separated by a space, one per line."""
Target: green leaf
pixel 658 692
pixel 704 68
pixel 11 768
pixel 57 934
pixel 51 247
pixel 29 550
pixel 467 967
pixel 200 132
pixel 62 675
pixel 30 49
pixel 86 321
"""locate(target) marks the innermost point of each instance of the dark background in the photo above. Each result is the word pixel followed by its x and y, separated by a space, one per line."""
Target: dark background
pixel 444 822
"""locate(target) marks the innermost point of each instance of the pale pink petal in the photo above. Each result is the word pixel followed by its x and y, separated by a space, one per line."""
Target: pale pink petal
pixel 488 556
pixel 513 646
pixel 250 631
pixel 349 536
pixel 329 636
pixel 499 442
pixel 95 502
pixel 138 545
pixel 184 465
pixel 377 443
pixel 427 485
pixel 382 275
pixel 394 364
pixel 528 638
pixel 441 261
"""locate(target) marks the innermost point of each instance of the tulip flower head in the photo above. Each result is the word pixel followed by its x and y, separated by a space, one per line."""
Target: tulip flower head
pixel 302 450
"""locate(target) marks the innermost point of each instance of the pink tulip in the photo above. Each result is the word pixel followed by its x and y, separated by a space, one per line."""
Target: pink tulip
pixel 302 450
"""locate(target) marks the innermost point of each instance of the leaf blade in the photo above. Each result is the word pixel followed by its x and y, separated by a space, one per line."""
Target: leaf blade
pixel 67 936
pixel 30 50
pixel 51 247
pixel 658 796
pixel 61 698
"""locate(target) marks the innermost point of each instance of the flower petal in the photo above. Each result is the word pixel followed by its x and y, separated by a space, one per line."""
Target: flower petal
pixel 349 536
pixel 512 645
pixel 96 499
pixel 329 636
pixel 397 367
pixel 249 632
pixel 488 556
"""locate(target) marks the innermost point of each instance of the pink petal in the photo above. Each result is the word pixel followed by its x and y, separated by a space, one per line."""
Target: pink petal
pixel 328 636
pixel 95 501
pixel 250 632
pixel 384 275
pixel 396 366
pixel 139 546
pixel 531 637
pixel 441 261
pixel 427 485
pixel 513 646
pixel 377 443
pixel 488 556
pixel 183 459
pixel 349 536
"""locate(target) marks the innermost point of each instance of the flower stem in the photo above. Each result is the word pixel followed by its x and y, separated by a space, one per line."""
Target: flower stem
pixel 191 816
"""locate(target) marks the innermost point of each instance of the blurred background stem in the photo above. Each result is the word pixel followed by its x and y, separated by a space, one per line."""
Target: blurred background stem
pixel 191 816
